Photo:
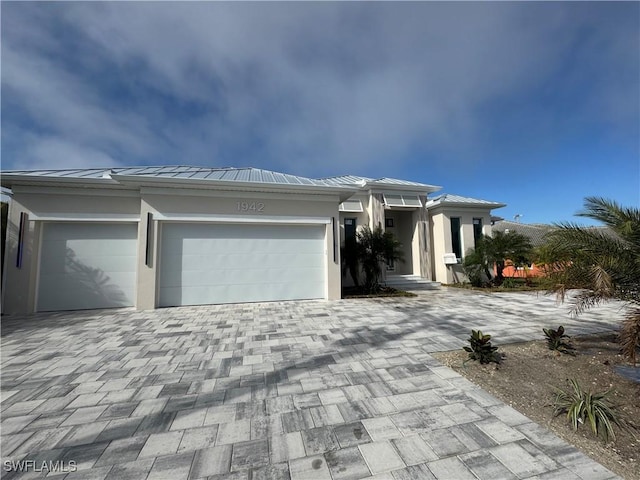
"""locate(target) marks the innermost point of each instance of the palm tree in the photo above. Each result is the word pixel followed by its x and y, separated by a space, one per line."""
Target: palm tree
pixel 496 250
pixel 501 247
pixel 375 247
pixel 604 262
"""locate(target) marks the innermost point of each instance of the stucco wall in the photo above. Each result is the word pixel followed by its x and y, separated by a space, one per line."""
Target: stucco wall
pixel 440 221
pixel 229 204
pixel 19 292
pixel 53 204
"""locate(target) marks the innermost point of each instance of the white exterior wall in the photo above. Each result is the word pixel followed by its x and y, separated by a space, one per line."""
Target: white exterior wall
pixel 20 289
pixel 98 204
pixel 440 220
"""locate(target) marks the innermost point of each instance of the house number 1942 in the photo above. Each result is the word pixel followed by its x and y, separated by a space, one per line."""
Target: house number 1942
pixel 250 206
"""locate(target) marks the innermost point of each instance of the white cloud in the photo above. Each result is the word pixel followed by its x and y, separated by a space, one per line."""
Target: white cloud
pixel 309 87
pixel 54 152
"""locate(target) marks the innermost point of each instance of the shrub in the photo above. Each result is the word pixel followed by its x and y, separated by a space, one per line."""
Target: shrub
pixel 510 283
pixel 581 406
pixel 481 348
pixel 475 267
pixel 374 248
pixel 555 340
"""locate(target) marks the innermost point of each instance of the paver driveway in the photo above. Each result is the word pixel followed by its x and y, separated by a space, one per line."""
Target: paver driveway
pixel 301 390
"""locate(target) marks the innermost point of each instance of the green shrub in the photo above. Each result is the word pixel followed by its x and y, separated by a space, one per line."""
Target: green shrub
pixel 555 340
pixel 581 407
pixel 480 348
pixel 510 283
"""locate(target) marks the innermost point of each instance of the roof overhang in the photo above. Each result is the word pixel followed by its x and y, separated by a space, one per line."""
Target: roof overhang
pixel 342 193
pixel 9 180
pixel 381 187
pixel 474 206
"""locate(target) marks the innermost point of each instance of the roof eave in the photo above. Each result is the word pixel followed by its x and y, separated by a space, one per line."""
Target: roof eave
pixel 490 206
pixel 9 180
pixel 382 186
pixel 343 192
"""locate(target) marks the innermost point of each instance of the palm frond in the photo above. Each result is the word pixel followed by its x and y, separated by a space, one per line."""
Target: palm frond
pixel 603 263
pixel 625 221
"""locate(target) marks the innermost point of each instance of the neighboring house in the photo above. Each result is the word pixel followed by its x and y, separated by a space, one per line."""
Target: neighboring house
pixel 535 232
pixel 456 225
pixel 165 236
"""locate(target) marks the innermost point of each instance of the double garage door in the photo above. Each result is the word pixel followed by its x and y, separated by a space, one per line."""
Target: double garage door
pixel 92 265
pixel 234 263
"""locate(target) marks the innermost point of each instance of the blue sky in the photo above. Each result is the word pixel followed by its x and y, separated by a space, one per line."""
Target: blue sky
pixel 536 105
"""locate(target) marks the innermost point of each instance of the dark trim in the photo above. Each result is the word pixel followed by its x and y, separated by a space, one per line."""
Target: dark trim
pixel 21 234
pixel 333 229
pixel 147 253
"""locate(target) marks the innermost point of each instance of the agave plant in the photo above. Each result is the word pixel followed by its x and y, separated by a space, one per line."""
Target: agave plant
pixel 481 349
pixel 582 407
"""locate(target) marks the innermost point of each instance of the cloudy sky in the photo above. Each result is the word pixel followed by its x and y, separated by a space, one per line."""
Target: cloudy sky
pixel 532 104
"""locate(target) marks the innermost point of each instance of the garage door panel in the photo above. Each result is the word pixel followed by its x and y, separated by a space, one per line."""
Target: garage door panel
pixel 86 265
pixel 205 263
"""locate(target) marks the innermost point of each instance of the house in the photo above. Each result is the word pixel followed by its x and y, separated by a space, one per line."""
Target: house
pixel 457 223
pixel 151 237
pixel 535 232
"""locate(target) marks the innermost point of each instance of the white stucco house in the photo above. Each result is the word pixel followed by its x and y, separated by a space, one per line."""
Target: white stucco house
pixel 152 237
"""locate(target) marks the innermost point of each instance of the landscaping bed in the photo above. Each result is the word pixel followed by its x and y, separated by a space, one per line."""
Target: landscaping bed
pixel 528 374
pixel 509 285
pixel 359 292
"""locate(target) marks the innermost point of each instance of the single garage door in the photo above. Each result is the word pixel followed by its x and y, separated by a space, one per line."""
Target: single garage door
pixel 234 263
pixel 87 265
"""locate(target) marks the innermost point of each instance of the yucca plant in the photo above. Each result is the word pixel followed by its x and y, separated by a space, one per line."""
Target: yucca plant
pixel 555 340
pixel 481 349
pixel 583 406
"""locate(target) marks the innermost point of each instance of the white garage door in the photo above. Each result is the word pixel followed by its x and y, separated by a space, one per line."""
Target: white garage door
pixel 234 263
pixel 87 265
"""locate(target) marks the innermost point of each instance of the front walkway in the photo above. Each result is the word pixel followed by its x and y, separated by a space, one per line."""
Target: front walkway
pixel 300 390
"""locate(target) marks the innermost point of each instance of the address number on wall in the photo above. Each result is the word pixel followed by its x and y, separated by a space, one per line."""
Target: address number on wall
pixel 250 206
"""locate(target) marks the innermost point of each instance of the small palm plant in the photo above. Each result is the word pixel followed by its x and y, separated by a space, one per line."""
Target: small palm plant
pixel 374 248
pixel 581 406
pixel 555 340
pixel 481 349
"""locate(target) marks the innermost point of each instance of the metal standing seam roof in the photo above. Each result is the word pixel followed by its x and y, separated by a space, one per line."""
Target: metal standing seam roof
pixel 231 174
pixel 449 199
pixel 357 180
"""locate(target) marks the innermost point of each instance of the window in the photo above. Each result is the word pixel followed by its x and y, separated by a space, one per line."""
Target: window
pixel 456 240
pixel 388 222
pixel 349 230
pixel 477 230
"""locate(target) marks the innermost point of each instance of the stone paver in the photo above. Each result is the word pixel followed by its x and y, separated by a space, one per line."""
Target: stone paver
pixel 290 390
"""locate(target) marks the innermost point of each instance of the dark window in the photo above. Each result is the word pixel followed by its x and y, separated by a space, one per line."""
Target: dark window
pixel 477 230
pixel 456 241
pixel 349 229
